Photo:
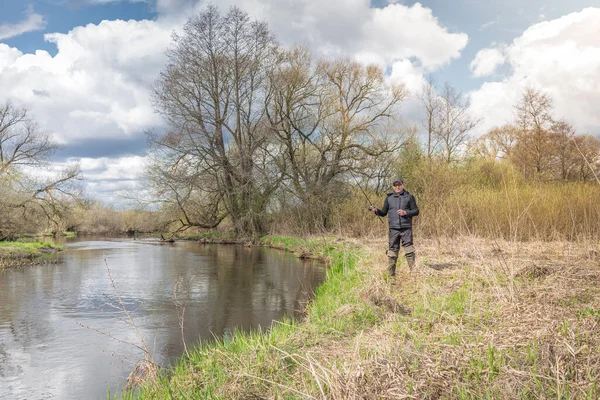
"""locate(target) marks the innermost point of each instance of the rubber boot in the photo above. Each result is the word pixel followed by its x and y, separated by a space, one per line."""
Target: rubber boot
pixel 410 259
pixel 392 265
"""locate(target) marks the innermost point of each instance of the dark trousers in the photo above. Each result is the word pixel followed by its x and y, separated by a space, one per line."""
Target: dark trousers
pixel 401 236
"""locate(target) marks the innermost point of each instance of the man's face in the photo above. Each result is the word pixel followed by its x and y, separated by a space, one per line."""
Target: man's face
pixel 398 187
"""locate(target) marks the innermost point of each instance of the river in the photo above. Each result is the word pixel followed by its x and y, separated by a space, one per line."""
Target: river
pixel 62 328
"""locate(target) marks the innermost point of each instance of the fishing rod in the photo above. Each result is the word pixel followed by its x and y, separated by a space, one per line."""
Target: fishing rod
pixel 364 194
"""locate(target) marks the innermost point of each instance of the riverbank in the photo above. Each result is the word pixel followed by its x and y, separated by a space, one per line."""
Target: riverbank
pixel 488 319
pixel 22 254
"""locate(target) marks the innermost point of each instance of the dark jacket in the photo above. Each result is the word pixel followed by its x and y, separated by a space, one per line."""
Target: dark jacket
pixel 402 201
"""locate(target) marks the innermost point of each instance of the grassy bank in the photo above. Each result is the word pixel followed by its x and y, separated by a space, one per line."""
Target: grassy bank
pixel 20 254
pixel 486 319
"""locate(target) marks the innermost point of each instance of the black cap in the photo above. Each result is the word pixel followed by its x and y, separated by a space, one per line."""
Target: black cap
pixel 397 180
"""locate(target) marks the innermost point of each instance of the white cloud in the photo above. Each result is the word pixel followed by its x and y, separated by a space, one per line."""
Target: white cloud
pixel 97 85
pixel 401 32
pixel 32 22
pixel 111 169
pixel 354 28
pixel 105 177
pixel 8 56
pixel 561 57
pixel 486 61
pixel 404 71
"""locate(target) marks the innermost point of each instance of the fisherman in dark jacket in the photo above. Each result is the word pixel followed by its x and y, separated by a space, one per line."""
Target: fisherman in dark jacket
pixel 400 207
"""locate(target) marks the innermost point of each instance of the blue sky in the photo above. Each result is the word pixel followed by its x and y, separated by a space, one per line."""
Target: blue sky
pixel 63 15
pixel 85 67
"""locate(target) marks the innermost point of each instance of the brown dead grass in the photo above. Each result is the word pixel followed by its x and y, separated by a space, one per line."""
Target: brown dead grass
pixel 519 331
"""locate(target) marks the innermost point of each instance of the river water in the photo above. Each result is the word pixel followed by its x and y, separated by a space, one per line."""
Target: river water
pixel 59 324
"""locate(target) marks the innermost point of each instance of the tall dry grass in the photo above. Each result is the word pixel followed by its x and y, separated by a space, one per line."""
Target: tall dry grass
pixel 567 211
pixel 486 199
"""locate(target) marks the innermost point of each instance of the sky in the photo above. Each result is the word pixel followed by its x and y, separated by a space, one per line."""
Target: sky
pixel 84 68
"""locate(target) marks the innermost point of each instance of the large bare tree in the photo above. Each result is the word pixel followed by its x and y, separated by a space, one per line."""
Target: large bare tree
pixel 296 110
pixel 331 119
pixel 212 94
pixel 360 123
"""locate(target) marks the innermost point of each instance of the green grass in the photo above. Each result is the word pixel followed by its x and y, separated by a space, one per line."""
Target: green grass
pixel 590 312
pixel 25 248
pixel 14 254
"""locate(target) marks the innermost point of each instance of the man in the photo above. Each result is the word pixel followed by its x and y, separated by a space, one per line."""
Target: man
pixel 400 207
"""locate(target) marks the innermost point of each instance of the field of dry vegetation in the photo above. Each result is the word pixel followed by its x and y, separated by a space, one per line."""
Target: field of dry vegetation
pixel 482 318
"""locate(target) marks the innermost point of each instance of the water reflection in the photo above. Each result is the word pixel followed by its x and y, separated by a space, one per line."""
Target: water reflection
pixel 46 354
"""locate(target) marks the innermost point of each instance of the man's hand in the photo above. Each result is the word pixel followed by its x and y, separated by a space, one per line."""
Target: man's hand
pixel 372 208
pixel 402 213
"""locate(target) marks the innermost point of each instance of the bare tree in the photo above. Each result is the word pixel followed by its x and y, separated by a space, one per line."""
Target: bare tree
pixel 537 147
pixel 188 198
pixel 27 196
pixel 21 141
pixel 534 110
pixel 212 94
pixel 498 143
pixel 432 107
pixel 296 110
pixel 455 122
pixel 330 118
pixel 359 104
pixel 562 133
